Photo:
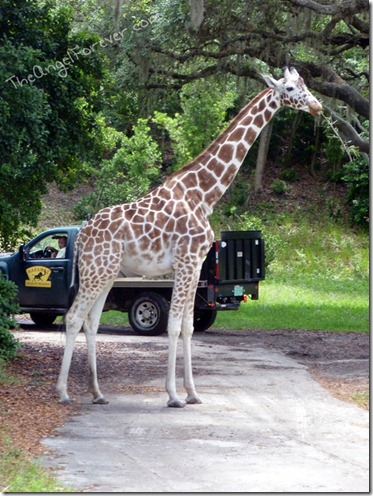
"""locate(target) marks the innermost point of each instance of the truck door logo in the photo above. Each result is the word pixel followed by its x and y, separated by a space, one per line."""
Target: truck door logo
pixel 38 277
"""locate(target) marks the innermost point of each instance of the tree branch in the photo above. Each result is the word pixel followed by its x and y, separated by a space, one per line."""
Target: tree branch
pixel 343 9
pixel 348 131
pixel 346 93
pixel 273 46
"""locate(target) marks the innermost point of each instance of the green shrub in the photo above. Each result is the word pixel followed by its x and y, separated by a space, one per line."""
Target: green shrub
pixel 128 175
pixel 8 307
pixel 356 175
pixel 290 175
pixel 279 187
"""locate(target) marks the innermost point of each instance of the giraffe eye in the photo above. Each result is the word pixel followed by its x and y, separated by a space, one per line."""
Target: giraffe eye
pixel 289 88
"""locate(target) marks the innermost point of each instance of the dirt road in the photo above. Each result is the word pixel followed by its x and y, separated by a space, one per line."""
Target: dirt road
pixel 265 425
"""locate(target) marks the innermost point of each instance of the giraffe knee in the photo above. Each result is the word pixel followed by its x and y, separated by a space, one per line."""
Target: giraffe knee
pixel 73 322
pixel 174 327
pixel 187 326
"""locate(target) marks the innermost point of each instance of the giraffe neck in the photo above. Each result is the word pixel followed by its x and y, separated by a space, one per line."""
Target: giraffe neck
pixel 207 177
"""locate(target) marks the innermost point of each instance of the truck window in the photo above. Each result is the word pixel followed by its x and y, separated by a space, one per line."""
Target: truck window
pixel 51 246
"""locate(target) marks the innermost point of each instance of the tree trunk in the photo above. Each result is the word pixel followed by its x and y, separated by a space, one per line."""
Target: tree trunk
pixel 315 153
pixel 294 129
pixel 262 156
pixel 197 11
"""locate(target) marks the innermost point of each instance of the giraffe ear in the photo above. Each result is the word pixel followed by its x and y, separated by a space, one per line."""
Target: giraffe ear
pixel 293 71
pixel 272 83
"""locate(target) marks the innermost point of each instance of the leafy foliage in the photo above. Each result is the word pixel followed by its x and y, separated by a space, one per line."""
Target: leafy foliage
pixel 50 88
pixel 75 72
pixel 128 175
pixel 204 108
pixel 8 307
pixel 356 175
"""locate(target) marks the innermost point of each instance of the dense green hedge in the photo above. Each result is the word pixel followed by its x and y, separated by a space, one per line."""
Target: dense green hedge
pixel 8 307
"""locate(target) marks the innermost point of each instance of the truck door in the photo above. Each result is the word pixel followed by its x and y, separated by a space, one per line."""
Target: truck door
pixel 45 272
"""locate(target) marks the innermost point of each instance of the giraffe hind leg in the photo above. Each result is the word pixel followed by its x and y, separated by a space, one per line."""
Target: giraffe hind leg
pixel 74 322
pixel 80 315
pixel 90 327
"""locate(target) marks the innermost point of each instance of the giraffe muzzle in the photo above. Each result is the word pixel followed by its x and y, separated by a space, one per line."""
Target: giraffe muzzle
pixel 315 108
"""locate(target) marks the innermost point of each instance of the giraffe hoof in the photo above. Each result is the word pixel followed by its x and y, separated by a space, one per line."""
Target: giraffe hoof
pixel 65 401
pixel 100 401
pixel 176 403
pixel 193 400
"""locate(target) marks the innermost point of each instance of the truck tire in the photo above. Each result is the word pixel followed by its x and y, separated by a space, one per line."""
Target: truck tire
pixel 203 319
pixel 148 314
pixel 43 319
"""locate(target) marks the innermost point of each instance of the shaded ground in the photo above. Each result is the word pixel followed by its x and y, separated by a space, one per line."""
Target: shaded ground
pixel 339 361
pixel 30 411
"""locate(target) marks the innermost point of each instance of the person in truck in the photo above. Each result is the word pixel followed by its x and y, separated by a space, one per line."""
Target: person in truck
pixel 62 242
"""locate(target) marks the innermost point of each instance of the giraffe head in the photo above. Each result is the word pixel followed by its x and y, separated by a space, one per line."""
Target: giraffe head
pixel 294 93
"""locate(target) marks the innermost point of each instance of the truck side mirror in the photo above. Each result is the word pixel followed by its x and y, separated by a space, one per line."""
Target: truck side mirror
pixel 22 252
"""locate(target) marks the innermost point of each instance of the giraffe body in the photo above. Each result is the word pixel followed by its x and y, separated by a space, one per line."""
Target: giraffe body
pixel 168 231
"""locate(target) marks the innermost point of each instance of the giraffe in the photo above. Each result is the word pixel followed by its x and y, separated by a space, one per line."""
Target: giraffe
pixel 168 230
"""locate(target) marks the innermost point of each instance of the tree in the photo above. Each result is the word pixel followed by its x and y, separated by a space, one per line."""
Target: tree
pixel 50 96
pixel 262 156
pixel 204 106
pixel 128 175
pixel 177 43
pixel 327 42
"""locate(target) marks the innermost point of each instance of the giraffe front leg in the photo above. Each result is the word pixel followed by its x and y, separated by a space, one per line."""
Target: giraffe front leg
pixel 181 321
pixel 192 397
pixel 174 325
pixel 187 332
pixel 188 292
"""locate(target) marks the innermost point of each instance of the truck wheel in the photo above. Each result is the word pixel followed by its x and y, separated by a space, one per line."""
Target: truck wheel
pixel 203 319
pixel 148 314
pixel 43 319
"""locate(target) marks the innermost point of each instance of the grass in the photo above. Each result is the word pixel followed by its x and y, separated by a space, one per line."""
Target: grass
pixel 5 377
pixel 114 318
pixel 317 279
pixel 362 399
pixel 309 304
pixel 306 304
pixel 20 475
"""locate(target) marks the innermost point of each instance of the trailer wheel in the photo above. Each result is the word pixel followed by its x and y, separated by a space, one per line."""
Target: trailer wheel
pixel 203 319
pixel 148 314
pixel 43 319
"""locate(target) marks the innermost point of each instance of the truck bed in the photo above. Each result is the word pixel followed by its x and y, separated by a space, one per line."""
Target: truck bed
pixel 141 282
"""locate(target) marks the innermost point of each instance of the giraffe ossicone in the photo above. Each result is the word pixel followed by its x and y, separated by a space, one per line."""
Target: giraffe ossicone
pixel 168 230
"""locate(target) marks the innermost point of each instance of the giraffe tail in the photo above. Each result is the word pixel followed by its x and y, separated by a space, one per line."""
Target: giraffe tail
pixel 74 284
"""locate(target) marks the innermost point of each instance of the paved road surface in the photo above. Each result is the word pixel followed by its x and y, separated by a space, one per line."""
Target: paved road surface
pixel 264 426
